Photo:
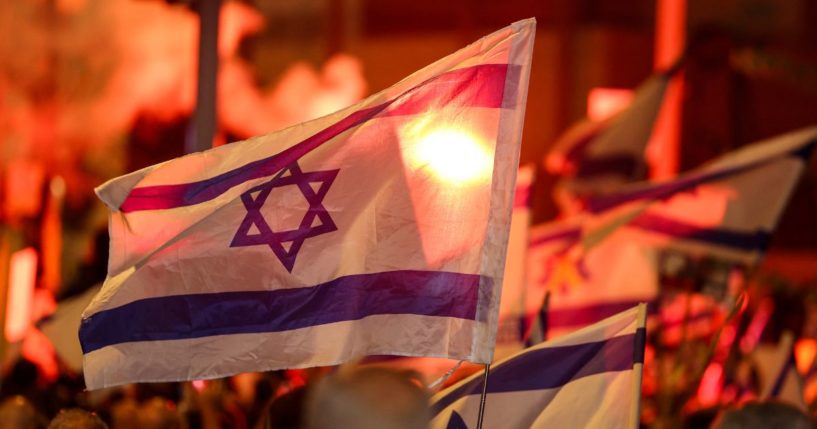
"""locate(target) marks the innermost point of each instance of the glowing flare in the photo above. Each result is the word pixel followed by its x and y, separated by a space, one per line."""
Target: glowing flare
pixel 22 276
pixel 805 352
pixel 603 103
pixel 453 156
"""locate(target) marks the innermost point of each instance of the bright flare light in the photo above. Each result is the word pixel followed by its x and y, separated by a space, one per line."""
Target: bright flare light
pixel 453 156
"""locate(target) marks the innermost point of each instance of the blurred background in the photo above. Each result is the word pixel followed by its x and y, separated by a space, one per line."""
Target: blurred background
pixel 92 89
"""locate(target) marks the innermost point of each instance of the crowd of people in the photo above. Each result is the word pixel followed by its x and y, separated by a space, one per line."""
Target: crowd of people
pixel 350 396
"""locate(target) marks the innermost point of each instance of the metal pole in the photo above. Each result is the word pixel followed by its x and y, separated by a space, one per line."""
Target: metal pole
pixel 203 128
pixel 484 394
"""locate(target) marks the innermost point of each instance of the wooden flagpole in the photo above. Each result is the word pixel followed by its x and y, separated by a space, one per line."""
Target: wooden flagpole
pixel 484 395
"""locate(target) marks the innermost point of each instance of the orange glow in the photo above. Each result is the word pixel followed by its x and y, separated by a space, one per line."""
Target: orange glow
pixel 52 235
pixel 22 275
pixel 453 156
pixel 603 103
pixel 805 351
pixel 670 33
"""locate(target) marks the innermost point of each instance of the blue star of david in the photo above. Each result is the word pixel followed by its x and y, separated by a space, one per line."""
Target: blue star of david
pixel 255 198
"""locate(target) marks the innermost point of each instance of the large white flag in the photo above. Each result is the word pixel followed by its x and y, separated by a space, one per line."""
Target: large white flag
pixel 380 229
pixel 589 379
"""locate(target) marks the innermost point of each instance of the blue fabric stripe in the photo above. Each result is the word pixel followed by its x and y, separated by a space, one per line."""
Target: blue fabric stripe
pixel 569 235
pixel 427 293
pixel 664 190
pixel 626 165
pixel 749 241
pixel 551 367
pixel 592 313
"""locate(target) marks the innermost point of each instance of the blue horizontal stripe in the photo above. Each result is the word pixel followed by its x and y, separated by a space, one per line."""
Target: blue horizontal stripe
pixel 749 241
pixel 426 293
pixel 570 235
pixel 685 183
pixel 552 367
pixel 626 165
pixel 591 313
pixel 476 86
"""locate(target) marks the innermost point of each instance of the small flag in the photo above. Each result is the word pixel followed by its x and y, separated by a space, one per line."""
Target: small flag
pixel 378 230
pixel 591 378
pixel 599 156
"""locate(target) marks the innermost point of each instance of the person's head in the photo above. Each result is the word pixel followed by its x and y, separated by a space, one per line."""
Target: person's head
pixel 17 413
pixel 364 398
pixel 158 413
pixel 762 415
pixel 76 418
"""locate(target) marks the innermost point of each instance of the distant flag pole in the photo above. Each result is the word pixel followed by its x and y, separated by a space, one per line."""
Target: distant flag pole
pixel 539 329
pixel 203 129
pixel 483 396
pixel 638 367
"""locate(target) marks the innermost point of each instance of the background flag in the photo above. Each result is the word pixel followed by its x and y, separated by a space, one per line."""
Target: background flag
pixel 587 284
pixel 591 378
pixel 380 229
pixel 600 156
pixel 598 261
pixel 726 209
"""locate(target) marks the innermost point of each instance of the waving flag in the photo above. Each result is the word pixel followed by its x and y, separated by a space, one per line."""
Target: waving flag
pixel 600 156
pixel 591 378
pixel 380 229
pixel 604 258
pixel 512 311
pixel 725 209
pixel 586 284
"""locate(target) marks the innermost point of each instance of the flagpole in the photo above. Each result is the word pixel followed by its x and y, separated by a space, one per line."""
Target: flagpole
pixel 638 370
pixel 484 394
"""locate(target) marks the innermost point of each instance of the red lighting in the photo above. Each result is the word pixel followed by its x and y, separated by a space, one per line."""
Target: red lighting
pixel 805 352
pixel 603 103
pixel 709 391
pixel 22 275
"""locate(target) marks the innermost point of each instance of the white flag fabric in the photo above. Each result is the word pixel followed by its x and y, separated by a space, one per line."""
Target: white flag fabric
pixel 62 326
pixel 599 157
pixel 586 284
pixel 589 379
pixel 604 259
pixel 380 229
pixel 726 209
pixel 512 309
